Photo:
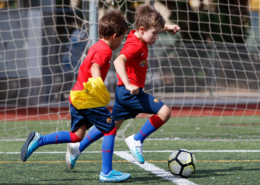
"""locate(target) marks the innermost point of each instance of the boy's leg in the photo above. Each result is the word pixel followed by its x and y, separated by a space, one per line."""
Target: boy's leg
pixel 135 142
pixel 59 137
pixel 128 106
pixel 101 119
pixel 108 174
pixel 35 140
pixel 87 118
pixel 74 150
pixel 150 126
pixel 78 126
pixel 107 151
pixel 90 138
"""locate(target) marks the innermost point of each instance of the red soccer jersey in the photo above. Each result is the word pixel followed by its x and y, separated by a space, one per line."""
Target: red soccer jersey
pixel 136 53
pixel 99 53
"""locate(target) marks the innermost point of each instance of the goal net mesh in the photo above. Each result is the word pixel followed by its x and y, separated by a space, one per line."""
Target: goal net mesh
pixel 208 73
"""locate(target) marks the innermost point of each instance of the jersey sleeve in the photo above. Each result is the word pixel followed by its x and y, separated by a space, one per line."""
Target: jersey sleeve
pixel 131 51
pixel 101 58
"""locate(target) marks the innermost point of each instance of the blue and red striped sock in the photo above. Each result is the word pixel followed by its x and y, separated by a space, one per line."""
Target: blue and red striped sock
pixel 107 151
pixel 59 137
pixel 90 138
pixel 150 126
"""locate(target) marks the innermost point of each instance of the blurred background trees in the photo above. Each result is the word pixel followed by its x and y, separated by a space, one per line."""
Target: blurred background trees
pixel 214 20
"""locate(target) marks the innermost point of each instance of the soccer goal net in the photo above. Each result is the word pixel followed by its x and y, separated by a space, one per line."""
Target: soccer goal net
pixel 208 73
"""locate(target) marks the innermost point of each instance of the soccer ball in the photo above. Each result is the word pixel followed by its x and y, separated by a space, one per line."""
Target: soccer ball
pixel 182 163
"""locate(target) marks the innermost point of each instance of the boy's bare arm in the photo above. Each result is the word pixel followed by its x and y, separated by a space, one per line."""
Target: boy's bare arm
pixel 172 28
pixel 95 70
pixel 119 64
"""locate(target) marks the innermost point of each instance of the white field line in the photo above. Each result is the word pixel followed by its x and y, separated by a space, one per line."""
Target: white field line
pixel 154 169
pixel 205 151
pixel 150 151
pixel 161 139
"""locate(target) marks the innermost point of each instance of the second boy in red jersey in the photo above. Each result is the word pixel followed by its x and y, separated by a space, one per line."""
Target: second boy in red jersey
pixel 88 103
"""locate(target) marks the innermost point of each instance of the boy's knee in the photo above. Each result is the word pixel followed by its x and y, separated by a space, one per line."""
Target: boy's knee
pixel 119 123
pixel 76 138
pixel 164 113
pixel 118 126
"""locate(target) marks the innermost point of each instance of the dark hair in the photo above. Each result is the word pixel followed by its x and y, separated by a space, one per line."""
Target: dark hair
pixel 111 23
pixel 147 16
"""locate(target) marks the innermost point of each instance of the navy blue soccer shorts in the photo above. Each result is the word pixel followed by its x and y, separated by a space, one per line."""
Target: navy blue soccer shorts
pixel 101 117
pixel 129 106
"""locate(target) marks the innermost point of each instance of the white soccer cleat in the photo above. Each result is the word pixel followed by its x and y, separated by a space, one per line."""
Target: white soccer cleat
pixel 72 154
pixel 136 148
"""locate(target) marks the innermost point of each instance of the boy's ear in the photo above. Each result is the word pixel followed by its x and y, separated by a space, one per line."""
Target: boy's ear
pixel 114 36
pixel 141 29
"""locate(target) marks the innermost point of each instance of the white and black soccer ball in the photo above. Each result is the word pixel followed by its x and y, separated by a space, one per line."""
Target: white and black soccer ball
pixel 182 163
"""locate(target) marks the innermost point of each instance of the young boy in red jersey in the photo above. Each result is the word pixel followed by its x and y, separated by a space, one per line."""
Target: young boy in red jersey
pixel 88 99
pixel 131 67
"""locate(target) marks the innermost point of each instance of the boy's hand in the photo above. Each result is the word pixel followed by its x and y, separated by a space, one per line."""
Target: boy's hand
pixel 172 28
pixel 133 89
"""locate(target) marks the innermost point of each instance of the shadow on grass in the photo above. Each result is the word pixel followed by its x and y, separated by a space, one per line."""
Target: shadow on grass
pixel 219 172
pixel 137 177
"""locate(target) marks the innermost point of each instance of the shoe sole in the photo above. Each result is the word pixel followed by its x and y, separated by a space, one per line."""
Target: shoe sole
pixel 115 181
pixel 132 153
pixel 68 162
pixel 25 146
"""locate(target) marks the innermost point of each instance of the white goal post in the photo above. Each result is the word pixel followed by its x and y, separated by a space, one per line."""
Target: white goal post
pixel 208 73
